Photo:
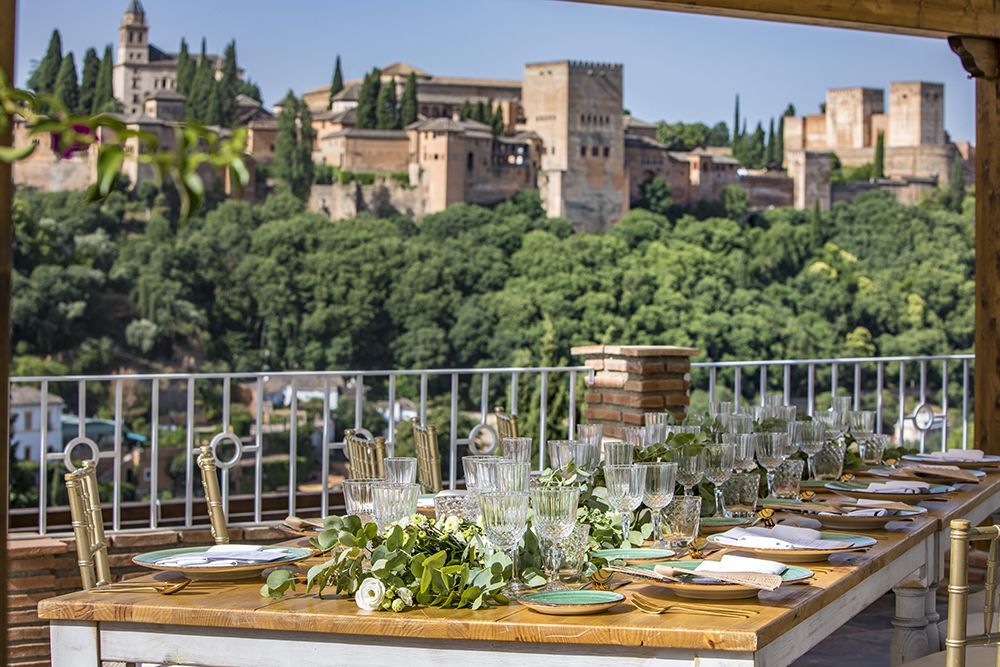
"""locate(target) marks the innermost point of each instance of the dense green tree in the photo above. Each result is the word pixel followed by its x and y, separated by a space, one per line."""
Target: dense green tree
pixel 408 106
pixel 479 112
pixel 67 85
pixel 771 154
pixel 337 84
pixel 185 69
pixel 212 114
pixel 88 81
pixel 387 111
pixel 718 135
pixel 368 100
pixel 878 166
pixel 751 149
pixel 736 120
pixel 228 86
pixel 104 93
pixel 497 121
pixel 953 197
pixel 735 202
pixel 293 146
pixel 197 107
pixel 43 77
pixel 250 89
pixel 465 111
pixel 654 195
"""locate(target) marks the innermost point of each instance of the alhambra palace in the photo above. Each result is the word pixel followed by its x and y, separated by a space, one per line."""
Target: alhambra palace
pixel 566 135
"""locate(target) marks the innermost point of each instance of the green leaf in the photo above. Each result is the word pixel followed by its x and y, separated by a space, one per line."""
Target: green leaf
pixel 11 154
pixel 109 163
pixel 328 539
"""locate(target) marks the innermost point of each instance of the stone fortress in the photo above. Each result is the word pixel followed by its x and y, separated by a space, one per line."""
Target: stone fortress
pixel 565 134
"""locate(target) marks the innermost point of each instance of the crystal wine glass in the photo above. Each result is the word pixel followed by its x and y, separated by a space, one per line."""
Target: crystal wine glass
pixel 626 486
pixel 505 517
pixel 690 467
pixel 812 435
pixel 554 516
pixel 392 502
pixel 772 450
pixel 661 478
pixel 517 449
pixel 720 459
pixel 618 453
pixel 862 428
pixel 400 469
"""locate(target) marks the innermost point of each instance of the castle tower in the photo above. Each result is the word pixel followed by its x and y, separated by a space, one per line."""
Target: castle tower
pixel 916 114
pixel 133 35
pixel 849 114
pixel 576 109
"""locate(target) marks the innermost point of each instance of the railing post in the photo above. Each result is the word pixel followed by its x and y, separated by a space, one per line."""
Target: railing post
pixel 632 379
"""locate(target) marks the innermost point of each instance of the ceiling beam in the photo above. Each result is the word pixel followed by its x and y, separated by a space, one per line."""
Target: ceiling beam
pixel 923 18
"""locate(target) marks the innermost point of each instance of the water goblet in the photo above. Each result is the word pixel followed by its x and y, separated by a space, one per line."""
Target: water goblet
pixel 584 455
pixel 744 450
pixel 681 521
pixel 618 453
pixel 505 518
pixel 554 516
pixel 635 436
pixel 812 435
pixel 862 428
pixel 480 472
pixel 661 478
pixel 738 424
pixel 720 408
pixel 720 459
pixel 392 502
pixel 509 476
pixel 690 467
pixel 400 469
pixel 656 434
pixel 590 433
pixel 772 450
pixel 835 422
pixel 840 404
pixel 774 399
pixel 358 497
pixel 516 449
pixel 625 485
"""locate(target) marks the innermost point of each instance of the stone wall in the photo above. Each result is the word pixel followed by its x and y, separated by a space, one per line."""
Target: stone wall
pixel 765 190
pixel 810 170
pixel 905 190
pixel 339 201
pixel 44 567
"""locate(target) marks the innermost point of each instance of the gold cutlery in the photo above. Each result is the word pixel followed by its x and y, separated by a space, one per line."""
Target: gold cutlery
pixel 163 589
pixel 650 606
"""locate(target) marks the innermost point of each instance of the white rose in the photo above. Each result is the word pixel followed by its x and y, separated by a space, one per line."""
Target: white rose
pixel 452 524
pixel 370 594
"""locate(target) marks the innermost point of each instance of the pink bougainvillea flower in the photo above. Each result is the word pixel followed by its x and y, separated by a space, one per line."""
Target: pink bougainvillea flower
pixel 73 147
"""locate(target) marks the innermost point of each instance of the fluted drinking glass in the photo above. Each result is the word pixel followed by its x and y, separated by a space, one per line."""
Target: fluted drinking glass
pixel 772 450
pixel 661 478
pixel 358 497
pixel 400 469
pixel 720 460
pixel 516 449
pixel 690 467
pixel 812 435
pixel 626 486
pixel 618 453
pixel 392 502
pixel 553 519
pixel 505 518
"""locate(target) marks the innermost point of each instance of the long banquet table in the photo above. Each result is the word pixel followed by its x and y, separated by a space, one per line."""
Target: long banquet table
pixel 230 625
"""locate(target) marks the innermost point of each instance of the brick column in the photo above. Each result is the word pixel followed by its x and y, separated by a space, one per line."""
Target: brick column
pixel 630 380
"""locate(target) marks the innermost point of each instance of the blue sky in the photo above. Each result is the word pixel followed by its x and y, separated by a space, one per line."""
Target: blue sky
pixel 677 66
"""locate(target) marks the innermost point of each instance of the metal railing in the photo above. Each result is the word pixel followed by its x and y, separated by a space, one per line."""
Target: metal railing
pixel 495 385
pixel 883 384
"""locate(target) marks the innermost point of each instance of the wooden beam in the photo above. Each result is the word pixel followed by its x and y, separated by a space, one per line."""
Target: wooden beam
pixel 987 369
pixel 7 30
pixel 924 18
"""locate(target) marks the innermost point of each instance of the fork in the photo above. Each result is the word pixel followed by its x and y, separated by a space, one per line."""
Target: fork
pixel 650 606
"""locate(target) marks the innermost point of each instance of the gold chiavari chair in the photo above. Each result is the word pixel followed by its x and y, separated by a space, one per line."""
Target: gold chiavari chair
pixel 506 424
pixel 213 494
pixel 428 456
pixel 367 457
pixel 88 526
pixel 961 649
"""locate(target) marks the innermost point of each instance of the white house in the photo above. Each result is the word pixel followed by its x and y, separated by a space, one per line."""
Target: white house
pixel 27 420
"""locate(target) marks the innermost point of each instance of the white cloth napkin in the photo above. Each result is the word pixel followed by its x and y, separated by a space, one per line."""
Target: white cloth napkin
pixel 898 487
pixel 779 537
pixel 225 555
pixel 955 455
pixel 741 564
pixel 425 502
pixel 866 512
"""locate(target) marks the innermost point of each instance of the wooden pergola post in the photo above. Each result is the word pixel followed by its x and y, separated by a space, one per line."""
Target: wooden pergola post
pixel 981 59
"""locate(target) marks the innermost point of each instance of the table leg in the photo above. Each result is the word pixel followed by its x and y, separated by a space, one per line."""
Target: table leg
pixel 934 642
pixel 909 640
pixel 75 644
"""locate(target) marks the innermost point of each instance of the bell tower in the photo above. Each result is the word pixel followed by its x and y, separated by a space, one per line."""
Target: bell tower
pixel 133 36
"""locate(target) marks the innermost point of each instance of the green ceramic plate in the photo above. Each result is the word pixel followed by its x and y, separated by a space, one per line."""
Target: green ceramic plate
pixel 633 556
pixel 704 588
pixel 718 524
pixel 885 471
pixel 792 573
pixel 858 488
pixel 571 602
pixel 857 541
pixel 813 483
pixel 988 459
pixel 248 571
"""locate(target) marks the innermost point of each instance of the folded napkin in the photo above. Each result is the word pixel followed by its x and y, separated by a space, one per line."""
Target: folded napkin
pixel 225 555
pixel 933 471
pixel 425 502
pixel 779 537
pixel 955 455
pixel 741 564
pixel 898 487
pixel 864 512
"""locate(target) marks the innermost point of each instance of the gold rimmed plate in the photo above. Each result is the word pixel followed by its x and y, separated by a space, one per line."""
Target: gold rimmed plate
pixel 221 573
pixel 858 490
pixel 857 543
pixel 704 588
pixel 570 602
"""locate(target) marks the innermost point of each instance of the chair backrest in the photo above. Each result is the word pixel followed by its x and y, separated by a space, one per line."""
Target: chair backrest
pixel 506 424
pixel 367 457
pixel 88 525
pixel 213 494
pixel 962 533
pixel 428 456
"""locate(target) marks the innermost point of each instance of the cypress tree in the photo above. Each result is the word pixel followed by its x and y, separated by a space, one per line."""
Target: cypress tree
pixel 954 196
pixel 408 107
pixel 878 167
pixel 227 87
pixel 293 146
pixel 214 105
pixel 771 146
pixel 305 163
pixel 337 84
pixel 201 89
pixel 88 81
pixel 498 124
pixel 736 120
pixel 104 93
pixel 185 69
pixel 43 78
pixel 368 100
pixel 480 112
pixel 67 89
pixel 250 89
pixel 465 112
pixel 387 114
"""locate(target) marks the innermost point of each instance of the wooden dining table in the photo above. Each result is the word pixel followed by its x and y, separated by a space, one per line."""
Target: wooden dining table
pixel 229 624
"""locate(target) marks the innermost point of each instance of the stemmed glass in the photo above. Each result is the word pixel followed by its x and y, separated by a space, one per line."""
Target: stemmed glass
pixel 812 435
pixel 690 468
pixel 618 453
pixel 509 476
pixel 718 409
pixel 553 519
pixel 835 421
pixel 505 517
pixel 592 433
pixel 392 502
pixel 401 469
pixel 720 459
pixel 626 486
pixel 772 450
pixel 840 404
pixel 862 428
pixel 635 436
pixel 517 449
pixel 661 478
pixel 744 448
pixel 584 455
pixel 479 472
pixel 738 424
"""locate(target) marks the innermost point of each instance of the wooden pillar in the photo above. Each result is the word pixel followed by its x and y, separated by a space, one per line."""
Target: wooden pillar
pixel 7 30
pixel 981 58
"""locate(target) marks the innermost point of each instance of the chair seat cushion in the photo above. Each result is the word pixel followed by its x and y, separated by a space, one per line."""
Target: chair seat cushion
pixel 975 656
